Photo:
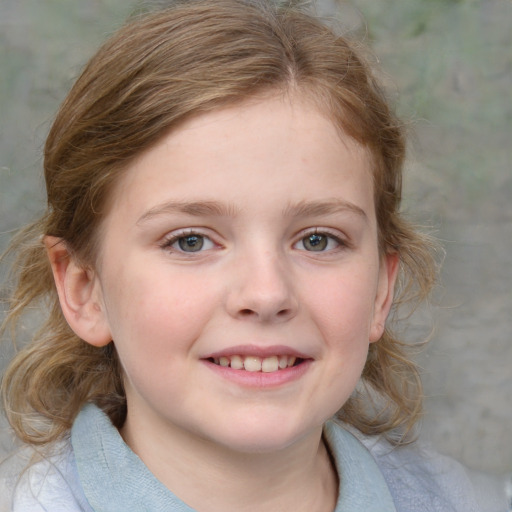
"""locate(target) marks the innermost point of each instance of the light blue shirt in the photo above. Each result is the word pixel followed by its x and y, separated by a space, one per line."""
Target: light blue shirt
pixel 95 471
pixel 114 479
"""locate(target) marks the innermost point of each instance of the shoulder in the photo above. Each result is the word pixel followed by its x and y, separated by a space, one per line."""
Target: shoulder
pixel 416 473
pixel 36 481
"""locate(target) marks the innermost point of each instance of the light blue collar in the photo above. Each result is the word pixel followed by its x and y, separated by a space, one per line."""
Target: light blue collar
pixel 362 485
pixel 114 479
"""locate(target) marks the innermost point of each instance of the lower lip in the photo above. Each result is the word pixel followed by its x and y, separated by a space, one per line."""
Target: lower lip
pixel 261 379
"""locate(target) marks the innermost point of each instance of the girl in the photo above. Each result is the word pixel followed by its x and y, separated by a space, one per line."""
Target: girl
pixel 220 253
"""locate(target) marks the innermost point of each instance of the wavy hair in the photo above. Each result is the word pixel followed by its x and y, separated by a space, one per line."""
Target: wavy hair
pixel 157 71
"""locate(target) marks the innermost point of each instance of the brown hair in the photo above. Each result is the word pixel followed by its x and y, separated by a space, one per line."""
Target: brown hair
pixel 158 70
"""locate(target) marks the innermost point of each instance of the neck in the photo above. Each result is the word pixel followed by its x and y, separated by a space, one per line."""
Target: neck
pixel 209 478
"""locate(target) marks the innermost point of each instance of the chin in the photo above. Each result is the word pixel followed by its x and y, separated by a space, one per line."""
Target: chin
pixel 262 436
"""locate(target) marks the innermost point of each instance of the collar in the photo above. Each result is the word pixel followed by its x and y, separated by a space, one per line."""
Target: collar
pixel 114 478
pixel 362 485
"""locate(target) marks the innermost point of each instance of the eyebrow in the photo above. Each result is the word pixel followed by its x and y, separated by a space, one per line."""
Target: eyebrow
pixel 218 209
pixel 193 208
pixel 329 207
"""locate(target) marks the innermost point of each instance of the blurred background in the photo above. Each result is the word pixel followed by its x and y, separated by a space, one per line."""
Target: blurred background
pixel 448 66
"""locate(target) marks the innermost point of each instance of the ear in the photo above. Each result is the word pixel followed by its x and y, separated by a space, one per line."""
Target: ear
pixel 79 293
pixel 384 298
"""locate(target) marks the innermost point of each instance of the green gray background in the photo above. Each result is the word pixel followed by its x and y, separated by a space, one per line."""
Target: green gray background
pixel 448 65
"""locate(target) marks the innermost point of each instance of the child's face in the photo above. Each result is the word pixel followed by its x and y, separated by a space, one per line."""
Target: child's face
pixel 247 236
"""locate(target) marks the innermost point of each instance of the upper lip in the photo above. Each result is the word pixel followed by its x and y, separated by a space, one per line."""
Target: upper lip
pixel 258 351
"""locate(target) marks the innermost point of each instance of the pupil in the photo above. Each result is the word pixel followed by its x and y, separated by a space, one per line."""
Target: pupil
pixel 191 243
pixel 316 242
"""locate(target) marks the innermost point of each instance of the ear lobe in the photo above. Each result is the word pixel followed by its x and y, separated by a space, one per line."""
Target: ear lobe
pixel 385 293
pixel 79 293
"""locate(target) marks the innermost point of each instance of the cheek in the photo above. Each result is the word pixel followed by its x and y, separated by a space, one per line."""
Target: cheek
pixel 152 315
pixel 344 317
pixel 155 328
pixel 343 307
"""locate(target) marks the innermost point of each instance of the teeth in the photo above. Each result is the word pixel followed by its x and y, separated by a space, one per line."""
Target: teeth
pixel 237 363
pixel 270 364
pixel 256 364
pixel 252 364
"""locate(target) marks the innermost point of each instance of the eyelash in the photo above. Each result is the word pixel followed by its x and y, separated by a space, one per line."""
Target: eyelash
pixel 341 243
pixel 172 239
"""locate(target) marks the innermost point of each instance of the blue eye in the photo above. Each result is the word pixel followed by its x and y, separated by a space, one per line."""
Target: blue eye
pixel 318 242
pixel 315 242
pixel 191 242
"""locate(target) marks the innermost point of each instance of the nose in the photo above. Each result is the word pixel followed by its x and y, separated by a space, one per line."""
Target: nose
pixel 262 289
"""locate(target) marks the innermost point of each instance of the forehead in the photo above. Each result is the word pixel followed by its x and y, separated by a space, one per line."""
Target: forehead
pixel 279 145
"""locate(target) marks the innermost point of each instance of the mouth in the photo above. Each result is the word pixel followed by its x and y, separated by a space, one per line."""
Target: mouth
pixel 256 364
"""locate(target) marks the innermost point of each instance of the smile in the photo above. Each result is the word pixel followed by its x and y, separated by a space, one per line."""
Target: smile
pixel 257 364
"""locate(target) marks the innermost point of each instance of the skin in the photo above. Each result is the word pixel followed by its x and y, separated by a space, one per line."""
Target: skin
pixel 253 183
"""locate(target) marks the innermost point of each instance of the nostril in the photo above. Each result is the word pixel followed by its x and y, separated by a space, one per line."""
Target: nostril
pixel 246 312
